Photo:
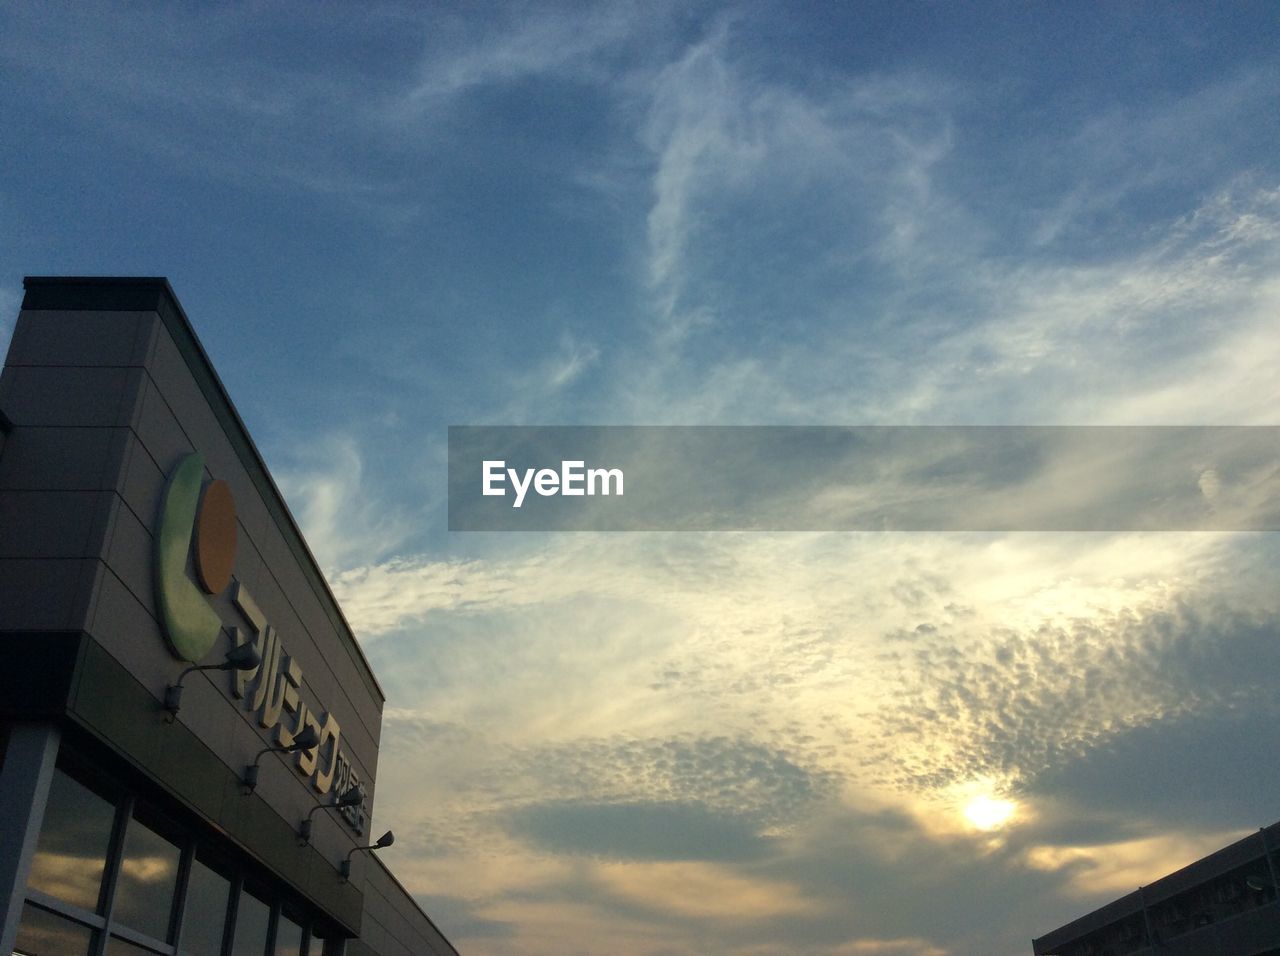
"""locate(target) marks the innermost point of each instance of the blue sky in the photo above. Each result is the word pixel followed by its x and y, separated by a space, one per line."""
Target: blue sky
pixel 386 221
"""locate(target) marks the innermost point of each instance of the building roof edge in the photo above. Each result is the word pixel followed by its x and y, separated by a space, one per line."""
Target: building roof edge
pixel 155 294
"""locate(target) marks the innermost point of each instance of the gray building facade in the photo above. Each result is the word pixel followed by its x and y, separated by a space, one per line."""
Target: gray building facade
pixel 141 538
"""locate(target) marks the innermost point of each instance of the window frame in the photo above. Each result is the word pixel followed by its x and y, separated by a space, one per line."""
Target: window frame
pixel 191 841
pixel 95 923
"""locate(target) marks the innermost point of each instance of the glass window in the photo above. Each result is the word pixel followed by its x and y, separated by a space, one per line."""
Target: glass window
pixel 122 947
pixel 147 880
pixel 253 917
pixel 72 850
pixel 206 913
pixel 288 937
pixel 42 933
pixel 321 938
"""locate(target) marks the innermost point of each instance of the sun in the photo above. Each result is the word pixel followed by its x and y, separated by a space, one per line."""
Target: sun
pixel 988 813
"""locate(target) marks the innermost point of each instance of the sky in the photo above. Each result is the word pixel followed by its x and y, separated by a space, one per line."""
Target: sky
pixel 390 219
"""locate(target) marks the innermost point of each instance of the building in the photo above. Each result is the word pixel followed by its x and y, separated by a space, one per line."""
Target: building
pixel 141 537
pixel 1222 905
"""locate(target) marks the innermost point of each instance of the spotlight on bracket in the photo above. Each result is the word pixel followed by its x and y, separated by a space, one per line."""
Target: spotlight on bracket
pixel 344 871
pixel 352 798
pixel 307 740
pixel 242 658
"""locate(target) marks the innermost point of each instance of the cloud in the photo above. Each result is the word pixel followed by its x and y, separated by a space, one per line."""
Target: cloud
pixel 642 738
pixel 619 796
pixel 1171 329
pixel 1121 157
pixel 830 888
pixel 1187 773
pixel 703 891
pixel 294 123
pixel 573 359
pixel 808 711
pixel 818 254
pixel 889 947
pixel 1149 307
pixel 462 920
pixel 682 774
pixel 1020 703
pixel 1118 868
pixel 636 831
pixel 779 668
pixel 343 523
pixel 760 185
pixel 533 42
pixel 10 303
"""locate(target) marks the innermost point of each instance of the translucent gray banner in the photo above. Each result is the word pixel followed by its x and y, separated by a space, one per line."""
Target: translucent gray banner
pixel 864 478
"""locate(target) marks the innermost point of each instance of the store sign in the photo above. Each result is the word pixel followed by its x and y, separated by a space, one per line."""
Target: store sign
pixel 198 521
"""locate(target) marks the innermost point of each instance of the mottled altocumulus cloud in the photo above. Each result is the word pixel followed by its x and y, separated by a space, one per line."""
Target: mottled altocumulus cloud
pixel 1019 704
pixel 877 694
pixel 536 788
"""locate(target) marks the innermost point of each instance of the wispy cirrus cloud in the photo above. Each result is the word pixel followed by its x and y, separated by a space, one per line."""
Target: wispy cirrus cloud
pixel 10 300
pixel 1182 319
pixel 533 42
pixel 332 499
pixel 807 166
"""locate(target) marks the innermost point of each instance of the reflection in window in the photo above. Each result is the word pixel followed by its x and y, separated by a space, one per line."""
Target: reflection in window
pixel 42 933
pixel 206 913
pixel 122 947
pixel 288 937
pixel 148 877
pixel 252 921
pixel 72 850
pixel 80 845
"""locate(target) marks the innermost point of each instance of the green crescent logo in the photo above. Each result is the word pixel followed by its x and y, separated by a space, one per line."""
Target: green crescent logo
pixel 190 626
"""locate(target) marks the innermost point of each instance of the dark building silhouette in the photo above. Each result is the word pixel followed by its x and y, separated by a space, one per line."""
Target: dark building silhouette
pixel 1222 905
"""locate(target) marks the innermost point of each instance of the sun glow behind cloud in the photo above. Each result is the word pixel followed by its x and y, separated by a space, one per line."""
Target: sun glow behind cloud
pixel 934 677
pixel 989 813
pixel 929 677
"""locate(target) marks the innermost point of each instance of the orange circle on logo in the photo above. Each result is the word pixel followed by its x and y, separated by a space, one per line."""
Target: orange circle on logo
pixel 216 537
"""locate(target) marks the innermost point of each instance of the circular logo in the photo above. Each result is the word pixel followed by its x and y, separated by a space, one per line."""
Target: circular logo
pixel 215 537
pixel 189 624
